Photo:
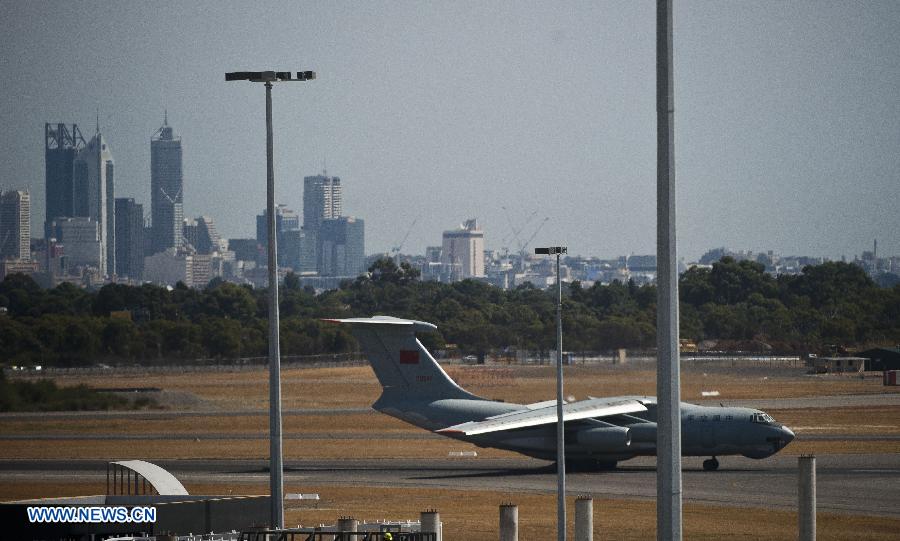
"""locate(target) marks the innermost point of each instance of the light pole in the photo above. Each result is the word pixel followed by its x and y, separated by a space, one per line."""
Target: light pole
pixel 668 369
pixel 276 464
pixel 560 425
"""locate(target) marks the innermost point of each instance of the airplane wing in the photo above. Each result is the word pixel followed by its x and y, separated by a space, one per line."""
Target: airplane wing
pixel 584 409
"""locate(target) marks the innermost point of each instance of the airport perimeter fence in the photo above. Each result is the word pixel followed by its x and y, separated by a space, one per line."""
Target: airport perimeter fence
pixel 527 358
pixel 648 357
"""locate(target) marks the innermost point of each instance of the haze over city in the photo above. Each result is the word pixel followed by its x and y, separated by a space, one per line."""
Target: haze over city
pixel 786 115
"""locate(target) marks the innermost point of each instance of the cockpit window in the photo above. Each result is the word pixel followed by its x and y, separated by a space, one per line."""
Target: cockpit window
pixel 762 418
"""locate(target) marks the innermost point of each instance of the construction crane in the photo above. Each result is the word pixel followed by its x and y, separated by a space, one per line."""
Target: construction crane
pixel 514 231
pixel 395 251
pixel 524 246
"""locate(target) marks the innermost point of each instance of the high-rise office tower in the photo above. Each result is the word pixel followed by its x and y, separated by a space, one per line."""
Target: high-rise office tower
pixel 463 250
pixel 292 251
pixel 94 195
pixel 60 147
pixel 342 246
pixel 202 235
pixel 15 225
pixel 129 238
pixel 287 224
pixel 166 189
pixel 80 239
pixel 321 200
pixel 285 220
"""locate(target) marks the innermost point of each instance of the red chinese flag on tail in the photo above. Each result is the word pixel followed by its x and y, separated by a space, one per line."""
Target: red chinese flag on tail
pixel 409 356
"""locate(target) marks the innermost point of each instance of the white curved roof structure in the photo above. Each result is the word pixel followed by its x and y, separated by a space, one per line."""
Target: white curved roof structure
pixel 163 482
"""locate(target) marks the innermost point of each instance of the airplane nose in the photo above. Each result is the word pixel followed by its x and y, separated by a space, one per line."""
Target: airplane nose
pixel 787 435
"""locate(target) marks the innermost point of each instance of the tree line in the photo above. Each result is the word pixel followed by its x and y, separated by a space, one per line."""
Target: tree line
pixel 735 301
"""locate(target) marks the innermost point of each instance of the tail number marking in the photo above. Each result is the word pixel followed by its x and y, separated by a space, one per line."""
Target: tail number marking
pixel 408 356
pixel 423 379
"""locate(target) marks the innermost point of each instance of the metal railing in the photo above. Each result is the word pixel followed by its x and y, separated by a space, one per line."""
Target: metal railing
pixel 296 535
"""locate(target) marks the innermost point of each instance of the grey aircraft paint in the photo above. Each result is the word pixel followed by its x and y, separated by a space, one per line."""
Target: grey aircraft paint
pixel 417 390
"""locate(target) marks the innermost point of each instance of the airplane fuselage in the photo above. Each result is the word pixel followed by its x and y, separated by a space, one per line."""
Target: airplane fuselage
pixel 705 430
pixel 598 431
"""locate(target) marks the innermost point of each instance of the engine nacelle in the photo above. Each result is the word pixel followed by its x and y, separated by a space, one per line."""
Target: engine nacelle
pixel 605 439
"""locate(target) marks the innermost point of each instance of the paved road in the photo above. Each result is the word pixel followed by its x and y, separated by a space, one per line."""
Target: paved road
pixel 857 484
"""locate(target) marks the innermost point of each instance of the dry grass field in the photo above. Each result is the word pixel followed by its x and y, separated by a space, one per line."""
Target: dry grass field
pixel 356 386
pixel 465 517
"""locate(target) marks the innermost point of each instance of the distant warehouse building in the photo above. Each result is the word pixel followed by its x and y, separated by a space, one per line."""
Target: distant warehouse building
pixel 879 359
pixel 832 365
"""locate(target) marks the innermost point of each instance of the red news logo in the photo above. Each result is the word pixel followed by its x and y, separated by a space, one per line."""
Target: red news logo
pixel 409 356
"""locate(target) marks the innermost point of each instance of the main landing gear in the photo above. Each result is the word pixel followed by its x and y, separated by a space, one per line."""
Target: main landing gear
pixel 711 465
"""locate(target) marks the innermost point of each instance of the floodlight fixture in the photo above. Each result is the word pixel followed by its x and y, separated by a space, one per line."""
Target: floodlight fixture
pixel 551 250
pixel 269 76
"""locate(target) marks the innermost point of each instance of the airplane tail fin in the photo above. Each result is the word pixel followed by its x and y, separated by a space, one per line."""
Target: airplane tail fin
pixel 400 362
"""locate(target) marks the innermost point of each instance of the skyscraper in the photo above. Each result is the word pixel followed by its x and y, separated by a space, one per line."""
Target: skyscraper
pixel 202 235
pixel 285 220
pixel 166 189
pixel 463 249
pixel 321 200
pixel 80 239
pixel 287 224
pixel 94 195
pixel 342 246
pixel 129 238
pixel 15 225
pixel 60 147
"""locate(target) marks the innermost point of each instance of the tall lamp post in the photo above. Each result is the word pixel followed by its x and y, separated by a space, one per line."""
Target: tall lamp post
pixel 276 463
pixel 668 369
pixel 560 425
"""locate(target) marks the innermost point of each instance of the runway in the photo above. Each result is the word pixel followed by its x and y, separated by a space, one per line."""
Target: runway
pixel 866 484
pixel 863 484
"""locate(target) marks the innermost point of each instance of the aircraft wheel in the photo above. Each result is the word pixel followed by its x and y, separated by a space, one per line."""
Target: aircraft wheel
pixel 711 465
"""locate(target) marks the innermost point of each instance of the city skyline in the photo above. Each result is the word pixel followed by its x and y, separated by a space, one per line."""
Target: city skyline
pixel 785 116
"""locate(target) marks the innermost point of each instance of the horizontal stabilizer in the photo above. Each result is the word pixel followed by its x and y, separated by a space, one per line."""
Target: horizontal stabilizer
pixel 417 326
pixel 585 409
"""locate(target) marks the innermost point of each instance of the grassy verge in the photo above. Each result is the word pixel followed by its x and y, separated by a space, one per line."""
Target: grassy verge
pixel 46 395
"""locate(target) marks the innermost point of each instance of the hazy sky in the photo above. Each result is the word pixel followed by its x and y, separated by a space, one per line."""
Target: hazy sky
pixel 787 114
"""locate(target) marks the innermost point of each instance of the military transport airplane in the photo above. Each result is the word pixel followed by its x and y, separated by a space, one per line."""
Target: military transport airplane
pixel 599 431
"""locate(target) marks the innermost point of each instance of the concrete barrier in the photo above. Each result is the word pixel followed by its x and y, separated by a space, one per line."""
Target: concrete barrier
pixel 347 524
pixel 509 522
pixel 806 494
pixel 584 518
pixel 430 521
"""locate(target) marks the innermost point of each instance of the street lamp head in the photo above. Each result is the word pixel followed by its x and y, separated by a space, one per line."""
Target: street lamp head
pixel 551 250
pixel 269 76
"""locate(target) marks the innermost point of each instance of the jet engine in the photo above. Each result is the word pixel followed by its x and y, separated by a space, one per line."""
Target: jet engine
pixel 605 438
